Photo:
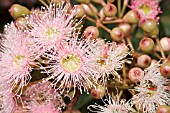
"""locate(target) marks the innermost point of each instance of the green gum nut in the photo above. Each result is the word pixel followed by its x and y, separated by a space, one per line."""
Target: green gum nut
pixel 110 10
pixel 146 45
pixel 149 26
pixel 163 109
pixel 17 11
pixel 131 17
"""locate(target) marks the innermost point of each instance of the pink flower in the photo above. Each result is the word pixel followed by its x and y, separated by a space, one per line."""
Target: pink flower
pixel 49 25
pixel 111 105
pixel 69 64
pixel 40 91
pixel 147 9
pixel 109 59
pixel 15 59
pixel 42 107
pixel 153 90
pixel 7 100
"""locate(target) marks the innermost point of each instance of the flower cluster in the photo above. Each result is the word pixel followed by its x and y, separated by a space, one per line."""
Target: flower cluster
pixel 49 41
pixel 153 90
pixel 111 106
pixel 47 58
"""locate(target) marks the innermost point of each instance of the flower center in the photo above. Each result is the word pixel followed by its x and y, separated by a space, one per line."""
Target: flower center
pixel 151 88
pixel 50 33
pixel 19 61
pixel 71 62
pixel 145 8
pixel 102 62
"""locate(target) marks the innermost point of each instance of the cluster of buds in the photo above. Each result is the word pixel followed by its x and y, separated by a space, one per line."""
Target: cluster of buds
pixel 46 55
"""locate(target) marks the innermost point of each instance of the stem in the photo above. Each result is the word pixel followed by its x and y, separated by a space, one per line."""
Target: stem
pixel 119 85
pixel 120 94
pixel 160 47
pixel 123 87
pixel 90 19
pixel 104 27
pixel 91 8
pixel 48 1
pixel 130 43
pixel 42 1
pixel 113 21
pixel 119 7
pixel 102 18
pixel 157 55
pixel 124 73
pixel 103 3
pixel 73 102
pixel 124 7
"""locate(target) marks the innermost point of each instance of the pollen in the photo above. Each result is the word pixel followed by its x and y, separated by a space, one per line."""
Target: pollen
pixel 19 61
pixel 71 62
pixel 145 8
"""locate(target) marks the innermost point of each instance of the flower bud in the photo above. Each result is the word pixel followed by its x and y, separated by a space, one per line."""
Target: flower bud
pixel 131 17
pixel 110 10
pixel 91 32
pixel 135 74
pixel 88 10
pixel 117 34
pixel 165 43
pixel 144 61
pixel 165 69
pixel 99 92
pixel 154 32
pixel 148 25
pixel 84 1
pixel 146 44
pixel 17 11
pixel 126 28
pixel 80 12
pixel 163 109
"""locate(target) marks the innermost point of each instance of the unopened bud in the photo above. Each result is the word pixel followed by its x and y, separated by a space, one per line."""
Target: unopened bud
pixel 135 74
pixel 110 10
pixel 126 28
pixel 146 44
pixel 148 25
pixel 163 109
pixel 165 43
pixel 99 92
pixel 88 10
pixel 91 32
pixel 17 11
pixel 80 12
pixel 117 34
pixel 144 61
pixel 165 69
pixel 131 17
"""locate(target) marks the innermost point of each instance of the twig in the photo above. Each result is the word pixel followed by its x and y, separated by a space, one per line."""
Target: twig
pixel 160 47
pixel 124 7
pixel 72 103
pixel 113 21
pixel 91 8
pixel 90 19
